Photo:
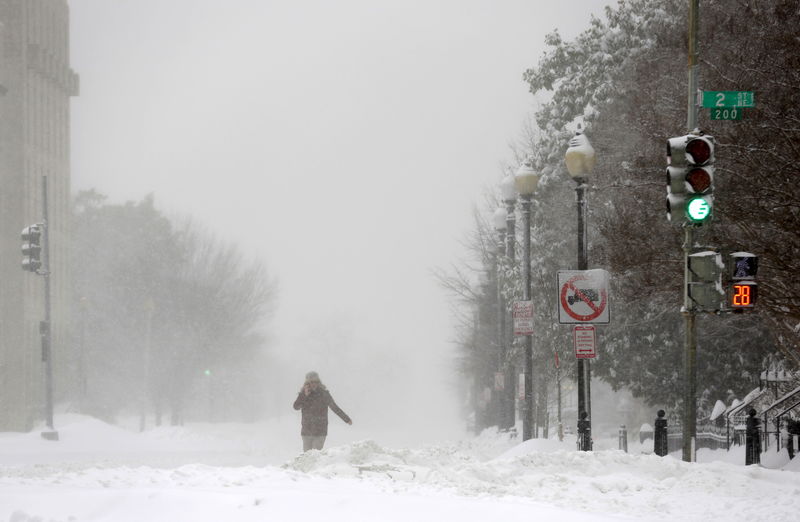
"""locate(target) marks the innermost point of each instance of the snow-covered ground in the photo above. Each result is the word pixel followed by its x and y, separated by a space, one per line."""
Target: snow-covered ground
pixel 205 472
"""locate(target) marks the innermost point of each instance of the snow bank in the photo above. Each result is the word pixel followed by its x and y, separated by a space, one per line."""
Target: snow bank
pixel 486 477
pixel 642 486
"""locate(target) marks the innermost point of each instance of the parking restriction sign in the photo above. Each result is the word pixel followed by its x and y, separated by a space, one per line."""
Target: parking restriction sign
pixel 522 311
pixel 585 341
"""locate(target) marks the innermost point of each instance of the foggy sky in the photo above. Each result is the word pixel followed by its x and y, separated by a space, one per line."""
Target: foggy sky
pixel 344 143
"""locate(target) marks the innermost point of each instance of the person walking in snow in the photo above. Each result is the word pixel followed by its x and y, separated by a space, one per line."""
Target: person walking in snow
pixel 314 400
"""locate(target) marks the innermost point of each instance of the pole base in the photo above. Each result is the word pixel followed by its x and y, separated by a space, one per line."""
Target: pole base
pixel 50 435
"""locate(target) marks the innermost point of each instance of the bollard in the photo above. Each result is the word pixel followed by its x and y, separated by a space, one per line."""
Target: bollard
pixel 623 438
pixel 752 443
pixel 660 444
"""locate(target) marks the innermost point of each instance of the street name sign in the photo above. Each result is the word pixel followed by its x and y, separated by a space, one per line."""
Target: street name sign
pixel 585 341
pixel 583 296
pixel 729 99
pixel 522 311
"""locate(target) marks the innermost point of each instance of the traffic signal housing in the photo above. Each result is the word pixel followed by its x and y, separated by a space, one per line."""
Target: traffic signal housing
pixel 704 285
pixel 744 289
pixel 690 179
pixel 32 248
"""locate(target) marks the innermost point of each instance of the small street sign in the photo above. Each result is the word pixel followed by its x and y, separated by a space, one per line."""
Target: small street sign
pixel 583 296
pixel 729 99
pixel 522 311
pixel 584 339
pixel 734 113
pixel 499 381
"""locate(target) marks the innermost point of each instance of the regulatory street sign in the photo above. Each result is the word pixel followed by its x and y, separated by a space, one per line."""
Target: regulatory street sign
pixel 583 296
pixel 712 99
pixel 585 341
pixel 499 381
pixel 720 113
pixel 522 311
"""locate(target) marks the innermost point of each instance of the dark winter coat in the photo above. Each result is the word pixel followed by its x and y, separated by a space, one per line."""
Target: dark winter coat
pixel 314 407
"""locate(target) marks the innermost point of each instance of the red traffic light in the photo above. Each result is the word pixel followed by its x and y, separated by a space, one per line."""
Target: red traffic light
pixel 699 149
pixel 699 180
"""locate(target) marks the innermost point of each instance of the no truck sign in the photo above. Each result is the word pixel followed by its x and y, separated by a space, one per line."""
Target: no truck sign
pixel 583 297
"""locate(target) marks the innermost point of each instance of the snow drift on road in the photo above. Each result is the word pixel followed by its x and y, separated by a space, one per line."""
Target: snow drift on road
pixel 642 486
pixel 99 472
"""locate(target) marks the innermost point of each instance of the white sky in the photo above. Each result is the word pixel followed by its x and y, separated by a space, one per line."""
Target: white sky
pixel 343 142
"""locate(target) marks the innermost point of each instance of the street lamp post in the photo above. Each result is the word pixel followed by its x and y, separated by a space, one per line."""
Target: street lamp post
pixel 500 217
pixel 526 180
pixel 508 191
pixel 580 160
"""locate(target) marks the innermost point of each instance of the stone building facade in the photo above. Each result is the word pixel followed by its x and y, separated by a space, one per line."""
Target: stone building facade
pixel 36 83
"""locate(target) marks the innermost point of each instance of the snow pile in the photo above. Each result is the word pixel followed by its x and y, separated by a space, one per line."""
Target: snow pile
pixel 144 476
pixel 91 442
pixel 643 486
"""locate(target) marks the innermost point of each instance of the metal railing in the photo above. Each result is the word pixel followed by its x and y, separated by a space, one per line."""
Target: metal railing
pixel 709 436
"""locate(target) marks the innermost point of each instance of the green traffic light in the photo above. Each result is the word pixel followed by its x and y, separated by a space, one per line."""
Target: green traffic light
pixel 207 372
pixel 698 209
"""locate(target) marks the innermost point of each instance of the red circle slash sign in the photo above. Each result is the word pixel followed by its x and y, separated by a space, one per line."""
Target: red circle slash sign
pixel 597 309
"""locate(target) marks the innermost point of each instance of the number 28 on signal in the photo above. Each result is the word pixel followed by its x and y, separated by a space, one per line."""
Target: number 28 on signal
pixel 744 295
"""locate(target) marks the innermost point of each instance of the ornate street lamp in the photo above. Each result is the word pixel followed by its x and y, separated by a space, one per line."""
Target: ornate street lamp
pixel 525 182
pixel 508 191
pixel 499 218
pixel 580 160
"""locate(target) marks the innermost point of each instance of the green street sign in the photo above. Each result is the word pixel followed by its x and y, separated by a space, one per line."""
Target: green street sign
pixel 719 113
pixel 728 99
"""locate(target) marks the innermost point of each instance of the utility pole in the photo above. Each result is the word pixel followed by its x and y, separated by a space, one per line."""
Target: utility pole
pixel 689 314
pixel 45 326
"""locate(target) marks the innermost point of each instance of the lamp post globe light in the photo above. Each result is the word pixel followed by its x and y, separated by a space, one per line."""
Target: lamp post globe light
pixel 508 191
pixel 525 181
pixel 580 159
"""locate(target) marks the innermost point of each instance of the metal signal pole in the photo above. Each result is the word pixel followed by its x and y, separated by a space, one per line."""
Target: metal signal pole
pixel 45 326
pixel 689 313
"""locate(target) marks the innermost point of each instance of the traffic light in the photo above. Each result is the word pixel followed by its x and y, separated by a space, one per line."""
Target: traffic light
pixel 744 290
pixel 690 178
pixel 704 288
pixel 32 248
